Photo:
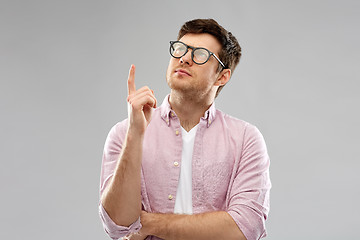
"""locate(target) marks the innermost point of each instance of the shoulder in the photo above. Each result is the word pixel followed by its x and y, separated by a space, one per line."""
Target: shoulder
pixel 117 132
pixel 238 127
pixel 231 121
pixel 119 127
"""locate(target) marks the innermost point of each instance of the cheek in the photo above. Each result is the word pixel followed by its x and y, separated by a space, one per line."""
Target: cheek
pixel 173 61
pixel 209 77
pixel 170 67
pixel 208 74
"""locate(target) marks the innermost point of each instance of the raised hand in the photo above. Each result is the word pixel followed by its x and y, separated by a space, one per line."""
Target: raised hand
pixel 140 104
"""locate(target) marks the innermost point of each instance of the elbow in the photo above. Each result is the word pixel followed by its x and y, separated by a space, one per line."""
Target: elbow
pixel 119 214
pixel 114 230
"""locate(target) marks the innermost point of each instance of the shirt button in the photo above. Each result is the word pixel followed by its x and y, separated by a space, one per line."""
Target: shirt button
pixel 170 197
pixel 176 164
pixel 177 132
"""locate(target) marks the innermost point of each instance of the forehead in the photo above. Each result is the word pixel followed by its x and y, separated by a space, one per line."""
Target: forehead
pixel 204 40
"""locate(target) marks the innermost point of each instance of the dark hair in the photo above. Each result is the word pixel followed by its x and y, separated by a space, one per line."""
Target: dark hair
pixel 230 48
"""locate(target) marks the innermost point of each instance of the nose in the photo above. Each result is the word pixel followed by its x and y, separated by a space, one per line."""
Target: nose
pixel 186 59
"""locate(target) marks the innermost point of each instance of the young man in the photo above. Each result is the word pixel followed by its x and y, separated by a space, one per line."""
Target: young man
pixel 186 170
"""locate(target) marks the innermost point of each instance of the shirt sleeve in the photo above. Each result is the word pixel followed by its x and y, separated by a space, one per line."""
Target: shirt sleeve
pixel 115 231
pixel 248 201
pixel 112 150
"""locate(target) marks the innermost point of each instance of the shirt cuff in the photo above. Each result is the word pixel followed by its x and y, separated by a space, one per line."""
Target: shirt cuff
pixel 116 231
pixel 251 226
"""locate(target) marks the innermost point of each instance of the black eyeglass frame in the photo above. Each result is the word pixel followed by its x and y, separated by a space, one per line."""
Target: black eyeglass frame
pixel 192 53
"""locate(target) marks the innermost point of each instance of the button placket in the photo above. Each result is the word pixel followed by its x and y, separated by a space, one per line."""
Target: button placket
pixel 175 162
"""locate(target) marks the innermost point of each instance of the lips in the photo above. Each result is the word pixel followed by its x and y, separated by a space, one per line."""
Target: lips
pixel 182 72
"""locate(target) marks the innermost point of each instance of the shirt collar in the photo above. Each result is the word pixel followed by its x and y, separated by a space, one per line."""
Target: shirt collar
pixel 167 113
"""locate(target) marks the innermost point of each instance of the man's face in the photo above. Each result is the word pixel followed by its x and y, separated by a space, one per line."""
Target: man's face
pixel 190 78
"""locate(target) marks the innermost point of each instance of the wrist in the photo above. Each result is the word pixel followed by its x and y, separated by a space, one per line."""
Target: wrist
pixel 151 223
pixel 134 135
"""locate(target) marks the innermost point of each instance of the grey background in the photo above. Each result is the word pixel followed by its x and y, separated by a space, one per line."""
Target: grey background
pixel 63 71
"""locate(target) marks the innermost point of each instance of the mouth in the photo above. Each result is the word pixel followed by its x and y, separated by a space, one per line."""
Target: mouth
pixel 182 72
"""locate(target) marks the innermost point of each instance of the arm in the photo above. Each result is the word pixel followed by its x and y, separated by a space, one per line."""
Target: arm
pixel 122 197
pixel 249 195
pixel 204 226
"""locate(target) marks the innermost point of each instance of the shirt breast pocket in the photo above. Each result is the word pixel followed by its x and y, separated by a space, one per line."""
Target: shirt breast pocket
pixel 216 177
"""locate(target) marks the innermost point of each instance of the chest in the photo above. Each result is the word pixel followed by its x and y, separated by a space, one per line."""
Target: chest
pixel 213 159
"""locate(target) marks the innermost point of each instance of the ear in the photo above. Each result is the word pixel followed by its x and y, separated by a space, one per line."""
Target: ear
pixel 223 78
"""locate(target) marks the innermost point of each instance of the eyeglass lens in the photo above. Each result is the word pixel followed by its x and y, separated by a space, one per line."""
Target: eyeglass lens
pixel 199 55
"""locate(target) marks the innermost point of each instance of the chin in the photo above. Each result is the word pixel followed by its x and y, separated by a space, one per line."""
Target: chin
pixel 178 83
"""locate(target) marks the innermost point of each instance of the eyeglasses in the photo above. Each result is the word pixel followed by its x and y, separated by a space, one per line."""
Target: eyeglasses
pixel 198 55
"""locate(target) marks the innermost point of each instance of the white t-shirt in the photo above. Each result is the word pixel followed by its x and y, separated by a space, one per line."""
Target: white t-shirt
pixel 183 202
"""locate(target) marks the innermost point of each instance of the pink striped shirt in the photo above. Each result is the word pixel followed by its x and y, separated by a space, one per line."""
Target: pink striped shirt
pixel 230 169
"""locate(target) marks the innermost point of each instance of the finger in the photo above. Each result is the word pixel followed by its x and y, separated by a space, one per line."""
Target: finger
pixel 144 98
pixel 155 106
pixel 131 80
pixel 139 100
pixel 140 91
pixel 143 89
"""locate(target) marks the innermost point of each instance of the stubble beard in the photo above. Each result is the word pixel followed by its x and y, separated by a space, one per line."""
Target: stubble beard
pixel 188 91
pixel 182 87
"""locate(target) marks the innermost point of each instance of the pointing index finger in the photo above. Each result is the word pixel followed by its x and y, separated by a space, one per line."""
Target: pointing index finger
pixel 131 80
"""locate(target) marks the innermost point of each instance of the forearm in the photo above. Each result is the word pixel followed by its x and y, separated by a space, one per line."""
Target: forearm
pixel 205 226
pixel 122 197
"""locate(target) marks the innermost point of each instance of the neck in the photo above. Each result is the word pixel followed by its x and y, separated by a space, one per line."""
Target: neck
pixel 189 109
